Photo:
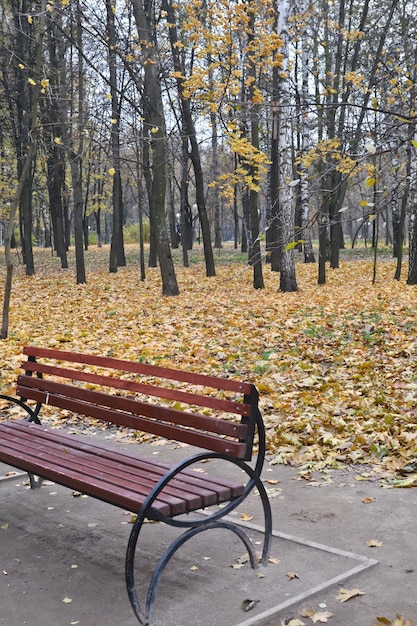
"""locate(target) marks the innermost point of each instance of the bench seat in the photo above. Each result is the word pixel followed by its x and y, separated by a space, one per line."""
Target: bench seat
pixel 109 475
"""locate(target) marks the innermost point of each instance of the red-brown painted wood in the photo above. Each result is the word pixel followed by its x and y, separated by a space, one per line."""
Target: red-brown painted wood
pixel 109 475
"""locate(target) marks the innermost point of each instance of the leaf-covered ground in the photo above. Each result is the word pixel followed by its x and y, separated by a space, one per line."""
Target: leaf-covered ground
pixel 335 364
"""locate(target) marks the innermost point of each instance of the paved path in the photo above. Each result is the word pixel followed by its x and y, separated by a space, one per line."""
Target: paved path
pixel 62 557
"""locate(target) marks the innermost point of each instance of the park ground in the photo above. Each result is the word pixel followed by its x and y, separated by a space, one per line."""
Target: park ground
pixel 335 367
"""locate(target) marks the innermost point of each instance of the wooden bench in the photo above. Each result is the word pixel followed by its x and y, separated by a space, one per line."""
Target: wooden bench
pixel 219 416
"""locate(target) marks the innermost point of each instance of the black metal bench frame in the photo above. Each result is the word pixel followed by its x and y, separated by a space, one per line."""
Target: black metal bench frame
pixel 146 487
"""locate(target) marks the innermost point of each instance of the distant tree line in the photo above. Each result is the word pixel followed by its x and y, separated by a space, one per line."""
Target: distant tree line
pixel 273 122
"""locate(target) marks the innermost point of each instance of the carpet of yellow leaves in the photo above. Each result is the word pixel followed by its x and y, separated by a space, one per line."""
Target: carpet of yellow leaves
pixel 335 364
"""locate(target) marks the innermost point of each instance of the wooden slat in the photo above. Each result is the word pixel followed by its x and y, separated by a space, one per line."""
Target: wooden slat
pixel 176 395
pixel 32 445
pixel 137 407
pixel 216 483
pixel 116 469
pixel 32 448
pixel 72 479
pixel 202 440
pixel 141 368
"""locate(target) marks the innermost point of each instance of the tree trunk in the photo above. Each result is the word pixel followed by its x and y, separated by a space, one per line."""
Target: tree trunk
pixel 304 144
pixel 25 32
pixel 76 160
pixel 215 200
pixel 24 173
pixel 147 175
pixel 26 214
pixel 117 254
pixel 273 234
pixel 255 249
pixel 412 263
pixel 189 127
pixel 288 281
pixel 154 118
pixel 52 122
pixel 186 216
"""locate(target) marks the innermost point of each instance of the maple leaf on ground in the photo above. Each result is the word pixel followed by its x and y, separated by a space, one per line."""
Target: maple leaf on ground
pixel 321 617
pixel 347 594
pixel 398 621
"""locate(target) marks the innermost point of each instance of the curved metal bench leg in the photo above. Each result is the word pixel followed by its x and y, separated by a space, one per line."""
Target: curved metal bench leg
pixel 145 617
pixel 129 567
pixel 177 543
pixel 268 521
pixel 255 481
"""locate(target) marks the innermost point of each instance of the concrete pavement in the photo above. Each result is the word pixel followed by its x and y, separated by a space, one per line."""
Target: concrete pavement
pixel 62 556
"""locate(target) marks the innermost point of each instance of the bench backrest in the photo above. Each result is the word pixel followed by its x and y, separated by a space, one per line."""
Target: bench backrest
pixel 216 414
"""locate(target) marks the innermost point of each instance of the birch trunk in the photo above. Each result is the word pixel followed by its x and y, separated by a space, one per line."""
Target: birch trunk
pixel 288 281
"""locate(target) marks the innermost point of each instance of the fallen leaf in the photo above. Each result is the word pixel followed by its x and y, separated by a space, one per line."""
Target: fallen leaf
pixel 292 575
pixel 243 559
pixel 347 594
pixel 410 481
pixel 247 604
pixel 193 568
pixel 67 600
pixel 321 617
pixel 246 518
pixel 374 543
pixel 292 622
pixel 4 526
pixel 399 620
